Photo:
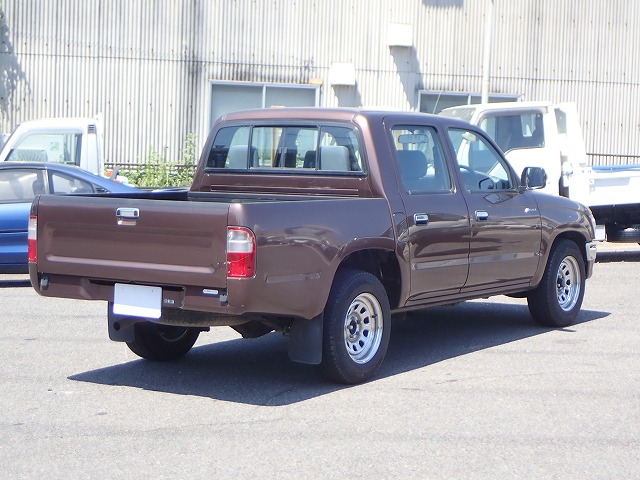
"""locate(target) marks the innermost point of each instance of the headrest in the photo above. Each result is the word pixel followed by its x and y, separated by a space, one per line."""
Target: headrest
pixel 413 164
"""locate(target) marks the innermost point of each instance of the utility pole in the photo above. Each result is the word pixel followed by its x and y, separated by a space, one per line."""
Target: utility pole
pixel 488 40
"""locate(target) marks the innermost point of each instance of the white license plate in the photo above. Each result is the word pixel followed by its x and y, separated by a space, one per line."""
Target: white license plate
pixel 137 300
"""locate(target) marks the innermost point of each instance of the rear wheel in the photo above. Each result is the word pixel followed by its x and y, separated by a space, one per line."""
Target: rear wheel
pixel 154 341
pixel 558 298
pixel 357 323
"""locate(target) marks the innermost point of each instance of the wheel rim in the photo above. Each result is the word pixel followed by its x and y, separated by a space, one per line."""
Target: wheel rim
pixel 363 326
pixel 568 283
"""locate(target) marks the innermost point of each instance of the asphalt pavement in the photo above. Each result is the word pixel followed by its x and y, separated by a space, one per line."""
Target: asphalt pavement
pixel 476 390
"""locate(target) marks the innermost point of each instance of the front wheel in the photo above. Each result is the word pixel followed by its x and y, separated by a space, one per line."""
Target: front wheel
pixel 154 341
pixel 558 298
pixel 357 323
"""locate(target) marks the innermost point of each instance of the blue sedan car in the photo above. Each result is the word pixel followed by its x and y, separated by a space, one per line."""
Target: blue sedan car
pixel 20 182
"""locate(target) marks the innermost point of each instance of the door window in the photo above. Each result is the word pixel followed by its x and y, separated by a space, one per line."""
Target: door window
pixel 66 184
pixel 20 185
pixel 481 166
pixel 420 159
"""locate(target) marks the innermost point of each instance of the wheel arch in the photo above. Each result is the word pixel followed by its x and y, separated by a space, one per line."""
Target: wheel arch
pixel 381 263
pixel 572 235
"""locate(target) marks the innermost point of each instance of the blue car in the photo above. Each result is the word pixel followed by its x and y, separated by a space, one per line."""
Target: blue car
pixel 20 182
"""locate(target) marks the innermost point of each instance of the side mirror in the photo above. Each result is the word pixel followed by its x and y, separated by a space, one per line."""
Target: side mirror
pixel 533 178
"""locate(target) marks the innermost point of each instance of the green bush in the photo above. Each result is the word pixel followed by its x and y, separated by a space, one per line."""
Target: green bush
pixel 157 171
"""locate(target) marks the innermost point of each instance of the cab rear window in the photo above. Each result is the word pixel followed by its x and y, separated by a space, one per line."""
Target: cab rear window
pixel 299 149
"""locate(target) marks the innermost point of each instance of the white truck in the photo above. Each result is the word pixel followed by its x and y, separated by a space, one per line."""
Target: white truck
pixel 73 141
pixel 549 135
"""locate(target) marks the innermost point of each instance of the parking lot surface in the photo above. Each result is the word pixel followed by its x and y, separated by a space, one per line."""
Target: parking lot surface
pixel 476 390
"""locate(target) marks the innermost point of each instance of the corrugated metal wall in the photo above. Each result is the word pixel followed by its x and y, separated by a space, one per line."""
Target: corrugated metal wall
pixel 146 65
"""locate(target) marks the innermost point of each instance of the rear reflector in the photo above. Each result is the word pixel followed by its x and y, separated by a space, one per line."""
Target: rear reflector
pixel 32 247
pixel 241 252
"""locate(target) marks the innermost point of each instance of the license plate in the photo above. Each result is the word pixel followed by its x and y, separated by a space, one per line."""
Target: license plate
pixel 137 300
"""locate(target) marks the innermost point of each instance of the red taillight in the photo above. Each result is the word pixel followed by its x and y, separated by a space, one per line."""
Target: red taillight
pixel 241 252
pixel 32 233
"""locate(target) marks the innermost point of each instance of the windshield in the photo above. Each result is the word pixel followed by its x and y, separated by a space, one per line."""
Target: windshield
pixel 463 113
pixel 48 147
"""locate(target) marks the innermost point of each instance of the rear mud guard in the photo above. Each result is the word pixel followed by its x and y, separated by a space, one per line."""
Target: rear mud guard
pixel 305 341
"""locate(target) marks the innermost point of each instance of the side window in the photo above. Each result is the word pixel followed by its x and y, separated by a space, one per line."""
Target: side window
pixel 420 159
pixel 20 185
pixel 338 150
pixel 64 184
pixel 230 148
pixel 282 147
pixel 481 166
pixel 42 147
pixel 286 149
pixel 524 130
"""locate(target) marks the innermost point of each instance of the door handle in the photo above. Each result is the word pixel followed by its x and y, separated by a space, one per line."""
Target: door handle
pixel 127 216
pixel 482 215
pixel 420 218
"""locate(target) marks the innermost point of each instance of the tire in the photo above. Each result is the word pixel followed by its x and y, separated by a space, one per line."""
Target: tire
pixel 558 298
pixel 623 235
pixel 154 341
pixel 357 325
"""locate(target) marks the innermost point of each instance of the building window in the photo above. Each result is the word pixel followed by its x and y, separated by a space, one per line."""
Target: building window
pixel 231 96
pixel 434 102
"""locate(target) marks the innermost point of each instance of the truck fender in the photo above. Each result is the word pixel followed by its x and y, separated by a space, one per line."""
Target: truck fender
pixel 305 340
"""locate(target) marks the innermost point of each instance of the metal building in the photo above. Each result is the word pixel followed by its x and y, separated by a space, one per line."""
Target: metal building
pixel 158 70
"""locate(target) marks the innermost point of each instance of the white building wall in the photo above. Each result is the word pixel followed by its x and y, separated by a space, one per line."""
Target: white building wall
pixel 146 65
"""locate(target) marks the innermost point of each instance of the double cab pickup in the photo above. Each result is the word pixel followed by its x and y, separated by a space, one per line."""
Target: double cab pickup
pixel 321 224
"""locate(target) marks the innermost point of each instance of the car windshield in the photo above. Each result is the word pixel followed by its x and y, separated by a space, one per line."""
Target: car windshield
pixel 463 113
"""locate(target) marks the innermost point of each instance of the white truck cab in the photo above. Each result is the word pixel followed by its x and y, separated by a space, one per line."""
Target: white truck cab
pixel 538 134
pixel 543 134
pixel 73 141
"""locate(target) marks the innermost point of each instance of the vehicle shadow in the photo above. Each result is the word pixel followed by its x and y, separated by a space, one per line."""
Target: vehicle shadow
pixel 258 371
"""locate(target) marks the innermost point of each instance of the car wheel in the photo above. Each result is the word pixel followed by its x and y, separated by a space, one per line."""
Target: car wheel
pixel 357 321
pixel 623 235
pixel 558 298
pixel 154 341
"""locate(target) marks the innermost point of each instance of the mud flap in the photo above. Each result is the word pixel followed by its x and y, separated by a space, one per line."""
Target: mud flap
pixel 305 341
pixel 120 327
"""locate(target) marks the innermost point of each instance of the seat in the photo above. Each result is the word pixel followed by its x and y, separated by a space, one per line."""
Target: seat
pixel 38 187
pixel 237 158
pixel 217 156
pixel 310 159
pixel 334 158
pixel 288 158
pixel 413 166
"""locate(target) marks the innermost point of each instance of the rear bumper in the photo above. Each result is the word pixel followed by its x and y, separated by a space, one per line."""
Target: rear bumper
pixel 188 297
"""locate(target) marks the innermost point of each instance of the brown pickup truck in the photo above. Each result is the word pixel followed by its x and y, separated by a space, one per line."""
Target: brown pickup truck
pixel 321 224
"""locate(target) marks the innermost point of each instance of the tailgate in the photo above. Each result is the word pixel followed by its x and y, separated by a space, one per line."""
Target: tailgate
pixel 159 242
